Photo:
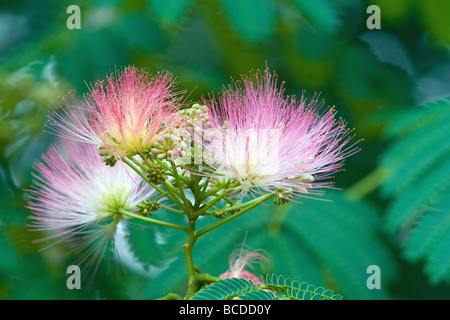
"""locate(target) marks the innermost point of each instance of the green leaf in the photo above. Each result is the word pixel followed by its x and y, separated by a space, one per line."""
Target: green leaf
pixel 409 204
pixel 418 185
pixel 412 158
pixel 275 287
pixel 388 49
pixel 291 289
pixel 438 264
pixel 258 295
pixel 428 240
pixel 225 289
pixel 418 164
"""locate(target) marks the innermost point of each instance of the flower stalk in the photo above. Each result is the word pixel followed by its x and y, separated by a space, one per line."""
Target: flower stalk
pixel 188 254
pixel 154 221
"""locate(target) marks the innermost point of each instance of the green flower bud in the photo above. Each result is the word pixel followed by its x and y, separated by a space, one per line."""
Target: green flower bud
pixel 156 174
pixel 107 158
pixel 283 197
pixel 219 214
pixel 147 207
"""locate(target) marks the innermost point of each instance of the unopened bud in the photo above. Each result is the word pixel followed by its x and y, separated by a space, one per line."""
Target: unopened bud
pixel 283 197
pixel 110 160
pixel 147 207
pixel 219 214
pixel 156 174
pixel 306 178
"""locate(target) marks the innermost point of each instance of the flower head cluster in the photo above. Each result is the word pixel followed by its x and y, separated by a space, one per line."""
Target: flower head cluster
pixel 130 133
pixel 122 118
pixel 266 142
pixel 78 199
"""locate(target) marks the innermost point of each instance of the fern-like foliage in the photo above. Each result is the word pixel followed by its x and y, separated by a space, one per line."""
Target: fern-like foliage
pixel 293 289
pixel 418 163
pixel 274 287
pixel 225 289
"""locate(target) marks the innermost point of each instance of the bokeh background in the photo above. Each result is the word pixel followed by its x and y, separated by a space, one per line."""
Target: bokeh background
pixel 390 84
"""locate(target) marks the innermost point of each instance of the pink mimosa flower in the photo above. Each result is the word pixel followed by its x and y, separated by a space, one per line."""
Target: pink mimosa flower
pixel 239 260
pixel 266 142
pixel 76 199
pixel 122 118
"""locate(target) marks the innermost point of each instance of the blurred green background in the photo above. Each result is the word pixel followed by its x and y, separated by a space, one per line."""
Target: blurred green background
pixel 390 84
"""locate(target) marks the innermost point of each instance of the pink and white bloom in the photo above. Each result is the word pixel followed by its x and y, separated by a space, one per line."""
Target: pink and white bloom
pixel 267 142
pixel 241 259
pixel 76 199
pixel 122 118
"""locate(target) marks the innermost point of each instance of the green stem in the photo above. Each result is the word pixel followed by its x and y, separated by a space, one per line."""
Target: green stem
pixel 158 222
pixel 240 205
pixel 174 196
pixel 193 284
pixel 140 165
pixel 216 199
pixel 174 174
pixel 171 209
pixel 203 188
pixel 237 214
pixel 196 188
pixel 210 204
pixel 178 181
pixel 231 202
pixel 160 196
